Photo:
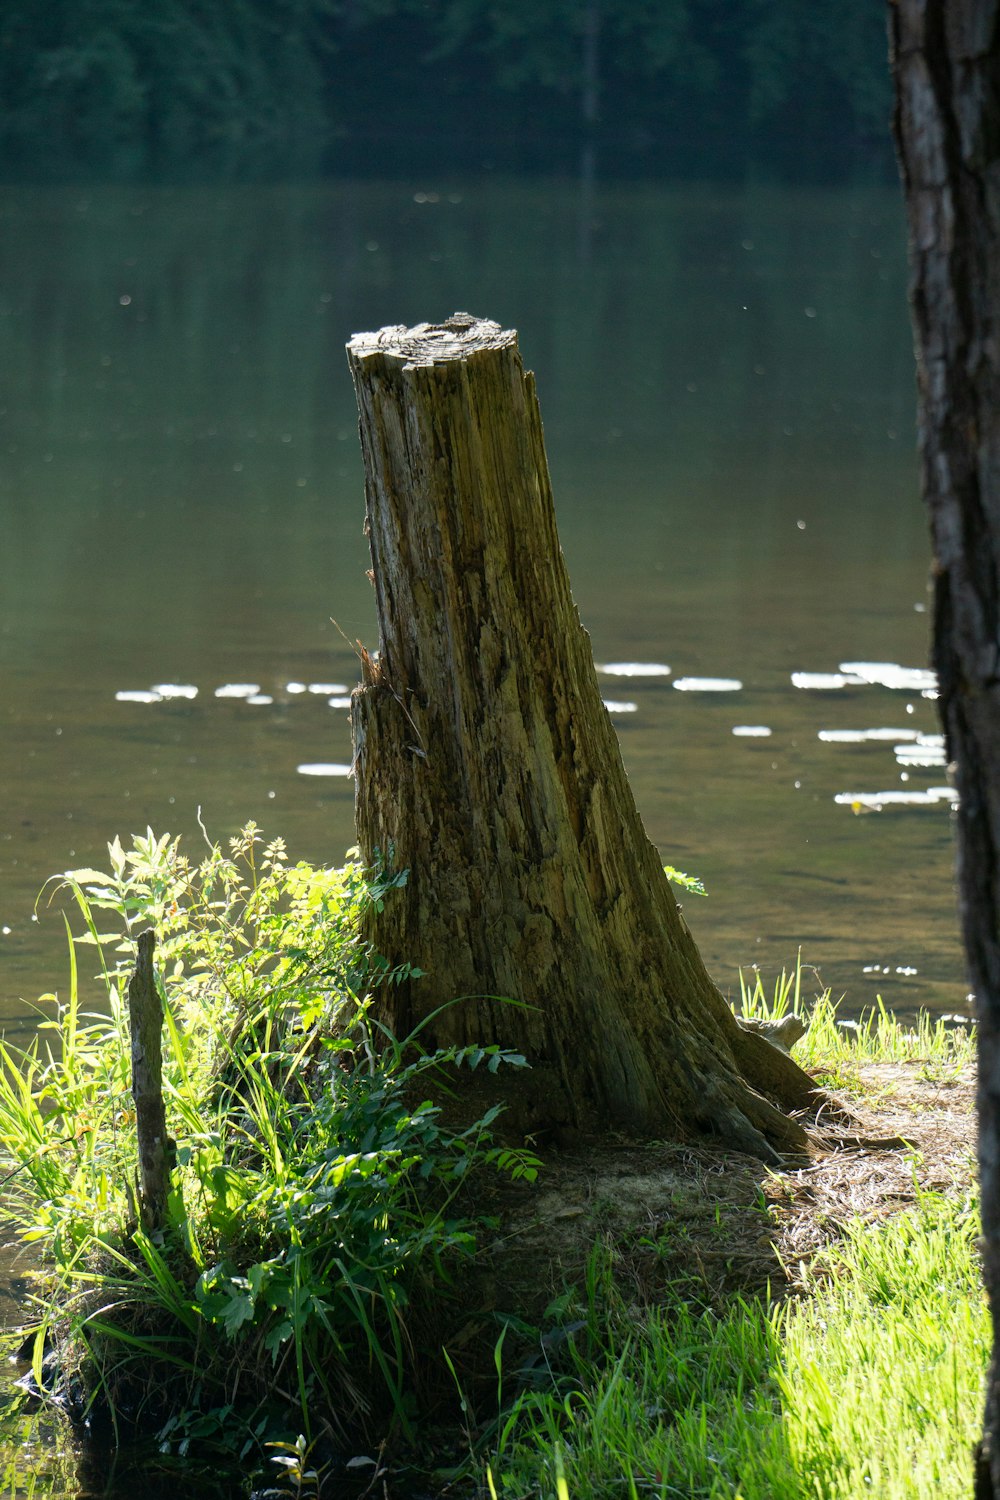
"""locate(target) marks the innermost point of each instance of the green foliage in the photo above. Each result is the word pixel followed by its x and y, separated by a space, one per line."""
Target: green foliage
pixel 691 883
pixel 177 77
pixel 557 43
pixel 796 47
pixel 314 1197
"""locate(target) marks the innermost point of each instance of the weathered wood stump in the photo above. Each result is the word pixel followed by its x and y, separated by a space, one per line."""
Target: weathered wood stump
pixel 487 766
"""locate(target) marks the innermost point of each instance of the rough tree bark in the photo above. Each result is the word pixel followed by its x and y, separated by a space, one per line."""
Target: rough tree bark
pixel 487 766
pixel 946 63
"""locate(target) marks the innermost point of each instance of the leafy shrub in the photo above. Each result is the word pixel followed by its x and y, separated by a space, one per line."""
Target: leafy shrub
pixel 314 1192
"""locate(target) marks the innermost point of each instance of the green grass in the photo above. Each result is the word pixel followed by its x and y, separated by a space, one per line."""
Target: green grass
pixel 875 1037
pixel 869 1386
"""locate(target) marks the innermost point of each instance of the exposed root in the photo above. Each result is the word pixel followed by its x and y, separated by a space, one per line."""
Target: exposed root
pixel 773 1072
pixel 748 1122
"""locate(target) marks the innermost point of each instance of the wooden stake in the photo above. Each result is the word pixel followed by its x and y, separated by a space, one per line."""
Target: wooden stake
pixel 145 1012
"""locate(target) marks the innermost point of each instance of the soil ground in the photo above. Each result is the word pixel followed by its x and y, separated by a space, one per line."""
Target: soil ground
pixel 710 1223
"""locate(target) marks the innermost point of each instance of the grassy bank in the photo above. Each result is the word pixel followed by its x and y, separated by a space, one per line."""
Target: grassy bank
pixel 314 1202
pixel 635 1319
pixel 855 1370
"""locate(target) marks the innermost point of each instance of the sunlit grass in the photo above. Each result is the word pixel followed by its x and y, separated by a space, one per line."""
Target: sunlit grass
pixel 868 1383
pixel 870 1386
pixel 876 1036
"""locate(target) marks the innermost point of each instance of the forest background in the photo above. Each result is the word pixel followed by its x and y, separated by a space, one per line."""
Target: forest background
pixel 127 87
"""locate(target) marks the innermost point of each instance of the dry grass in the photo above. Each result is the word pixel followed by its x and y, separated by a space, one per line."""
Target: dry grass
pixel 932 1109
pixel 720 1224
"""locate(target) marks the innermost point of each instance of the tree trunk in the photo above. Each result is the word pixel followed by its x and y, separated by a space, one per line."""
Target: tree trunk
pixel 946 65
pixel 488 768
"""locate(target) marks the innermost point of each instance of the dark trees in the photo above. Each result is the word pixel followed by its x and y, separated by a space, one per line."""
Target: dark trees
pixel 946 61
pixel 488 768
pixel 123 82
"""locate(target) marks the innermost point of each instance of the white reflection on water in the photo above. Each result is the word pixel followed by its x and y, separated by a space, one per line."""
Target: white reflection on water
pixel 927 751
pixel 825 682
pixel 141 696
pixel 875 801
pixel 238 690
pixel 614 707
pixel 889 674
pixel 175 689
pixel 324 768
pixel 751 731
pixel 708 684
pixel 634 669
pixel 339 700
pixel 324 689
pixel 863 736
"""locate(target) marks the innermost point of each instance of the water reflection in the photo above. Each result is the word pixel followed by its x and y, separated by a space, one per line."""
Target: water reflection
pixel 725 376
pixel 43 1459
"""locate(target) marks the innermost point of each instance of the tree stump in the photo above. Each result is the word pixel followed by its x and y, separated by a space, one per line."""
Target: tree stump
pixel 488 768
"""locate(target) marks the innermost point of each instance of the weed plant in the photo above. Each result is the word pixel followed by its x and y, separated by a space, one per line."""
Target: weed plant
pixel 315 1193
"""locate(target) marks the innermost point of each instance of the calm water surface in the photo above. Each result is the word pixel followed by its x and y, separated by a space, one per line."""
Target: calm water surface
pixel 725 377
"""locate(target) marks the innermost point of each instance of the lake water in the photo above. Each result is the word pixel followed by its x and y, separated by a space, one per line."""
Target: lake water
pixel 726 381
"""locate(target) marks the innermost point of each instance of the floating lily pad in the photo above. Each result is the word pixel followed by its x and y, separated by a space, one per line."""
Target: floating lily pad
pixel 911 757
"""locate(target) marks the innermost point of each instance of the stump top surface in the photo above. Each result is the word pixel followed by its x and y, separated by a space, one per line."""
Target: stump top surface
pixel 434 343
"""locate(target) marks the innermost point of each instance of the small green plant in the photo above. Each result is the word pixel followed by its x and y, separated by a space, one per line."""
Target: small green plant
pixel 316 1188
pixel 690 883
pixel 785 999
pixel 300 1477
